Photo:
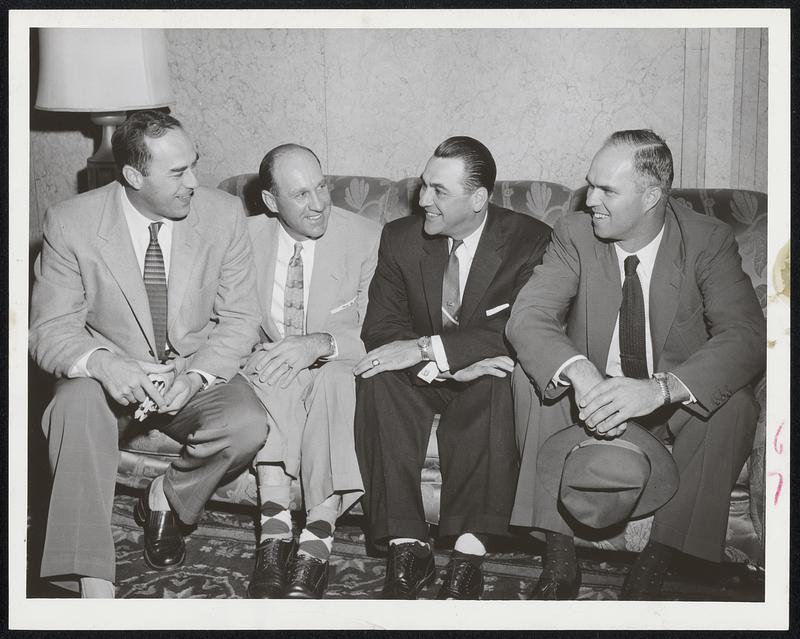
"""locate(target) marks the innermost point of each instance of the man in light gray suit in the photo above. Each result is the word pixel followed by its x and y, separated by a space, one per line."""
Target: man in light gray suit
pixel 150 275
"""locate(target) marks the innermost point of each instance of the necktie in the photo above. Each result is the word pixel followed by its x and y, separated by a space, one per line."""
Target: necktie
pixel 155 283
pixel 632 353
pixel 293 302
pixel 451 304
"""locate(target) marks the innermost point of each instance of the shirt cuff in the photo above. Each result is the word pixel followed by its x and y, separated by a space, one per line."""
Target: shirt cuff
pixel 692 399
pixel 208 377
pixel 560 381
pixel 78 369
pixel 438 353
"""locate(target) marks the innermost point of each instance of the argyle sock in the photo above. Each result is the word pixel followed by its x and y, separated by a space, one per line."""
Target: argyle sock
pixel 316 539
pixel 471 547
pixel 273 490
pixel 560 559
pixel 647 572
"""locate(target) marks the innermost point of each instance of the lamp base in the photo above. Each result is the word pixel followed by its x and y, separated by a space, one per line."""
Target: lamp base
pixel 100 168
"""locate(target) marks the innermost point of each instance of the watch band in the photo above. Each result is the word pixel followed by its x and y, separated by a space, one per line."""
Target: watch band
pixel 424 344
pixel 661 379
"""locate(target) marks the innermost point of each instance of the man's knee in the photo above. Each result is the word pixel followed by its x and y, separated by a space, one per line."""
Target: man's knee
pixel 77 393
pixel 246 421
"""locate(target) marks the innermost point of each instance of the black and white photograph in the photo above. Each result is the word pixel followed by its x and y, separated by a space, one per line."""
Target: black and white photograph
pixel 473 309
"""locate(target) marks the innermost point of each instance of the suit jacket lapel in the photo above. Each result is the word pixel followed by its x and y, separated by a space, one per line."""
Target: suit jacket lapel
pixel 432 266
pixel 329 263
pixel 604 296
pixel 665 283
pixel 183 258
pixel 484 265
pixel 265 252
pixel 121 260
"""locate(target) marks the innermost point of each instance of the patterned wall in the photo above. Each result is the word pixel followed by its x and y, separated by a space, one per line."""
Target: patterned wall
pixel 376 102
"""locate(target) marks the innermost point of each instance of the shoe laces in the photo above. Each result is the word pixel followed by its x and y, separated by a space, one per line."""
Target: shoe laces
pixel 459 572
pixel 303 566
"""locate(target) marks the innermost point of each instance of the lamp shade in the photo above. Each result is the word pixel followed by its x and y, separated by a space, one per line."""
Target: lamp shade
pixel 99 70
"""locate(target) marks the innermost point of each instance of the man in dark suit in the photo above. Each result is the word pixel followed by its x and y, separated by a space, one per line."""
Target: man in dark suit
pixel 438 305
pixel 150 275
pixel 643 309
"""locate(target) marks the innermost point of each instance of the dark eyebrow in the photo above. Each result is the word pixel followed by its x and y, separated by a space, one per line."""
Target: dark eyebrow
pixel 598 186
pixel 181 169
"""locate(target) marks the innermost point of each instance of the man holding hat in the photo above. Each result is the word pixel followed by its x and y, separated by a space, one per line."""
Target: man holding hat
pixel 643 310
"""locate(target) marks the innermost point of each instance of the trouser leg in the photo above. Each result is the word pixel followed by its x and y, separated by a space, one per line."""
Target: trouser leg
pixel 478 458
pixel 82 438
pixel 392 427
pixel 222 428
pixel 709 455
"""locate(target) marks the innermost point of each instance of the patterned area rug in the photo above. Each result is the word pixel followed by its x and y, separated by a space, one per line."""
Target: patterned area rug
pixel 220 556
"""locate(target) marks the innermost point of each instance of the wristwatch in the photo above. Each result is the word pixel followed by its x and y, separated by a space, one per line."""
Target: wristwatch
pixel 663 382
pixel 424 344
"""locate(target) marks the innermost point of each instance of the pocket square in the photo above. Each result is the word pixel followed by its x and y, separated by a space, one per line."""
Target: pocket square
pixel 496 310
pixel 347 304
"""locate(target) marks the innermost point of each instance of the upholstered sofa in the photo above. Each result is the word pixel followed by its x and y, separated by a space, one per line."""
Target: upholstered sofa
pixel 147 454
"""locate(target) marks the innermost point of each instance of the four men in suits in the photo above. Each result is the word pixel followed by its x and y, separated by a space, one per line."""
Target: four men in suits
pixel 314 263
pixel 151 275
pixel 148 291
pixel 641 312
pixel 438 306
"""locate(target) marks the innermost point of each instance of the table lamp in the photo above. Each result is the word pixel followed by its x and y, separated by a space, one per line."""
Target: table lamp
pixel 105 72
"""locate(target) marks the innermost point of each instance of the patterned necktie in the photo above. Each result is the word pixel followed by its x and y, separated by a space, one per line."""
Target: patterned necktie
pixel 293 302
pixel 632 352
pixel 451 304
pixel 155 282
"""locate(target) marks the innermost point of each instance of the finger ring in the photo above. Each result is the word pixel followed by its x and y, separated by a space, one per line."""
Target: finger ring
pixel 376 362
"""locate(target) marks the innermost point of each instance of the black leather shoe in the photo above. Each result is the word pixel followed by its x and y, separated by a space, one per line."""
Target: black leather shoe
pixel 272 563
pixel 551 588
pixel 308 578
pixel 462 579
pixel 164 546
pixel 409 568
pixel 639 590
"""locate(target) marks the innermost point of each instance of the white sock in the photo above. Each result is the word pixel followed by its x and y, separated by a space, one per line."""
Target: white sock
pixel 157 500
pixel 94 588
pixel 407 540
pixel 469 544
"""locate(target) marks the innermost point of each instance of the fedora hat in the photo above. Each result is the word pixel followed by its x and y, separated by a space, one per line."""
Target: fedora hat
pixel 604 482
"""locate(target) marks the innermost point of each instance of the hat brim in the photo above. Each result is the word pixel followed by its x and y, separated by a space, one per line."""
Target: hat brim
pixel 661 486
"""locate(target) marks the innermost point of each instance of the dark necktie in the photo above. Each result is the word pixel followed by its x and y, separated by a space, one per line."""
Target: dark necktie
pixel 451 304
pixel 632 352
pixel 293 302
pixel 155 282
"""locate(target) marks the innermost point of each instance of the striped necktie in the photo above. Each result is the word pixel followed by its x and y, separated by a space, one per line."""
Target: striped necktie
pixel 293 298
pixel 451 302
pixel 155 282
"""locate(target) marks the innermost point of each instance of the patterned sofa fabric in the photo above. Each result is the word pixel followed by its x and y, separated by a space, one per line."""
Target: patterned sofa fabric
pixel 383 200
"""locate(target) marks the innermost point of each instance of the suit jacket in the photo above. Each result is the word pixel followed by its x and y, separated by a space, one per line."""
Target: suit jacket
pixel 706 323
pixel 405 297
pixel 344 262
pixel 89 291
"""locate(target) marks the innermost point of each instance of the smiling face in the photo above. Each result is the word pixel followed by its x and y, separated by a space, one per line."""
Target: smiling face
pixel 167 189
pixel 299 195
pixel 450 209
pixel 623 210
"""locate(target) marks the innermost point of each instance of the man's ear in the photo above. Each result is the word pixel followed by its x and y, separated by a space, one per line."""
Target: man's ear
pixel 652 196
pixel 132 176
pixel 269 200
pixel 479 198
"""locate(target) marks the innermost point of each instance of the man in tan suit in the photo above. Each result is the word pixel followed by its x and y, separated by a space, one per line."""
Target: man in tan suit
pixel 151 275
pixel 314 263
pixel 643 310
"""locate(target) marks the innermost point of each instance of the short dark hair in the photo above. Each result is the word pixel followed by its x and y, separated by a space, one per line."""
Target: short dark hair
pixel 652 159
pixel 128 142
pixel 479 167
pixel 267 167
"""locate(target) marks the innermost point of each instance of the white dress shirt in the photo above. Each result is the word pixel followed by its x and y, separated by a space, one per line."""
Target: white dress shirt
pixel 466 254
pixel 647 259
